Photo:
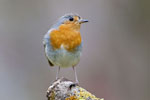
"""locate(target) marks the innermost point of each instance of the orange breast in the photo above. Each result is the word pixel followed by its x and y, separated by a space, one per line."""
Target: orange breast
pixel 66 36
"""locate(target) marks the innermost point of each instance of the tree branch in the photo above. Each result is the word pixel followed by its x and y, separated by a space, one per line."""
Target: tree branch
pixel 64 89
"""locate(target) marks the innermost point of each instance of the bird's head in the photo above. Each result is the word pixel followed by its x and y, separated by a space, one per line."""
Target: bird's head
pixel 72 21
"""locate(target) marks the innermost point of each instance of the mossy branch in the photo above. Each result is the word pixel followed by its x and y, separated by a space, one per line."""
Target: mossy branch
pixel 64 89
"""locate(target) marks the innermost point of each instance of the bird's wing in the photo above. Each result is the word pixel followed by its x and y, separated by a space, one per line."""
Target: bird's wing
pixel 50 63
pixel 44 43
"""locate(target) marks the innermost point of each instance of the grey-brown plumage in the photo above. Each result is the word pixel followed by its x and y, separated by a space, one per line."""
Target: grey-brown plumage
pixel 50 63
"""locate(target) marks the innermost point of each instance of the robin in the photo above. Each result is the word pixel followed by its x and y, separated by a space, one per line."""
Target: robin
pixel 63 43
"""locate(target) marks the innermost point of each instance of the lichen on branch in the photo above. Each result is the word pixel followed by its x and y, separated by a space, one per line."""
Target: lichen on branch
pixel 64 89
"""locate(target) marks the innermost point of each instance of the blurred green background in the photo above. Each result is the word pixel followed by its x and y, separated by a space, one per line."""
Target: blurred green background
pixel 114 62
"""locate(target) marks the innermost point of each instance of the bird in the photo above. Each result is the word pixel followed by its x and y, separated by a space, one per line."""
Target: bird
pixel 63 43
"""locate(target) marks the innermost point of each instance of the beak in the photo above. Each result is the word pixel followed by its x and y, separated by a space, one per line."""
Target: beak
pixel 83 21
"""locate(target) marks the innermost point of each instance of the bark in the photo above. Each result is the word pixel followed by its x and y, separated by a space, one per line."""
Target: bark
pixel 64 89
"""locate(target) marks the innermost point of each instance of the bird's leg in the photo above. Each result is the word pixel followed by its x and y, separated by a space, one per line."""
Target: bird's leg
pixel 76 78
pixel 57 75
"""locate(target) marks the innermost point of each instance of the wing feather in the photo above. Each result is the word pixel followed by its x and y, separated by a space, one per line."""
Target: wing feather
pixel 50 63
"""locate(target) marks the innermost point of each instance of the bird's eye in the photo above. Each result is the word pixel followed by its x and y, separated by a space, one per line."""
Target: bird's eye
pixel 79 17
pixel 71 19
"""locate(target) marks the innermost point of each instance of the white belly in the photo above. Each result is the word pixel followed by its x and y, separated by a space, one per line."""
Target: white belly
pixel 63 58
